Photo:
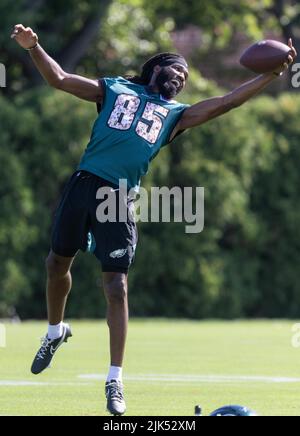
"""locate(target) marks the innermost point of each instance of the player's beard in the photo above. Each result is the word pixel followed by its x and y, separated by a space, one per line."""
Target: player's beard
pixel 166 87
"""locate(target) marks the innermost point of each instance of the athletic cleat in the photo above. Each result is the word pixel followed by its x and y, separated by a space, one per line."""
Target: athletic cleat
pixel 115 399
pixel 49 347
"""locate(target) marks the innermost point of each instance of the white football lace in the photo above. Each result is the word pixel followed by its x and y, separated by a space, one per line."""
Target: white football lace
pixel 115 391
pixel 43 350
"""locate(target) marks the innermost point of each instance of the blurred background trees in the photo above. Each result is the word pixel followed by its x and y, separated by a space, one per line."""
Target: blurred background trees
pixel 245 263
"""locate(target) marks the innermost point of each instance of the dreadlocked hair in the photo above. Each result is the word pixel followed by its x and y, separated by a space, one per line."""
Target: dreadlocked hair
pixel 147 68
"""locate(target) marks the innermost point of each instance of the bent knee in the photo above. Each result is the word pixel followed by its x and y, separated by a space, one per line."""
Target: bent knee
pixel 57 266
pixel 116 289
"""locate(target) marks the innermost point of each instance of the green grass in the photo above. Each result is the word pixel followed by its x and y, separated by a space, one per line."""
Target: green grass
pixel 156 347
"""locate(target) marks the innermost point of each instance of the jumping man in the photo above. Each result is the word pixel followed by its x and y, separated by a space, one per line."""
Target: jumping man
pixel 137 117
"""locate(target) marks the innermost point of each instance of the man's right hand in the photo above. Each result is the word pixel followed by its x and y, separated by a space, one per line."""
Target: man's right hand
pixel 55 76
pixel 24 36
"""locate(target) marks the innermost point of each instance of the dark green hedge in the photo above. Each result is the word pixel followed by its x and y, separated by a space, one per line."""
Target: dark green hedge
pixel 244 263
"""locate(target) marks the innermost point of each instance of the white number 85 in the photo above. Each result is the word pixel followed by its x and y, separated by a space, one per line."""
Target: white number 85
pixel 150 124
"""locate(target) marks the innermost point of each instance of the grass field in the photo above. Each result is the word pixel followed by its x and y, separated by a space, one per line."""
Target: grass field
pixel 170 367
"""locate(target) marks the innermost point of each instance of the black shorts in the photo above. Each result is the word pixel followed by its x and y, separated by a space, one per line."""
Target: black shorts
pixel 76 226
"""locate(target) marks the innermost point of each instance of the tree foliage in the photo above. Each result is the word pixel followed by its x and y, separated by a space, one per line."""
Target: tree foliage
pixel 245 262
pixel 95 38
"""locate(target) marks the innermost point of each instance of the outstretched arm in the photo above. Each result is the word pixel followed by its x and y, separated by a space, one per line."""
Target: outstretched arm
pixel 214 107
pixel 55 76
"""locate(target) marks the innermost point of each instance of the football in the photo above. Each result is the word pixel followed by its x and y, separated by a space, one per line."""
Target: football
pixel 265 56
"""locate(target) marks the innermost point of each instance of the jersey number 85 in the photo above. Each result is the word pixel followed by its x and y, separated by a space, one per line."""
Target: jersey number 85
pixel 149 125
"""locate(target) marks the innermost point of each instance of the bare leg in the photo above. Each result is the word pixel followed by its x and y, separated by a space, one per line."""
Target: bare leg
pixel 59 283
pixel 115 289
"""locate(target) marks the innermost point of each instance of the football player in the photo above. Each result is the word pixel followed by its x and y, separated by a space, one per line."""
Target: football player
pixel 137 117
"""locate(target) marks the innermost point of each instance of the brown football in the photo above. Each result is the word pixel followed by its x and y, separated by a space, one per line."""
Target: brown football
pixel 265 56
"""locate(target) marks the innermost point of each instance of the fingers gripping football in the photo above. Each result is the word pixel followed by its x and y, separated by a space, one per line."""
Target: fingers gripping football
pixel 293 53
pixel 24 36
pixel 290 59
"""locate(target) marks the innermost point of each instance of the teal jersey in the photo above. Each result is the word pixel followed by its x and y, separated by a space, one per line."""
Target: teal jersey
pixel 129 132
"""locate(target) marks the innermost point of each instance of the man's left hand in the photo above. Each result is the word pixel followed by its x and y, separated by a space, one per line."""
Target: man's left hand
pixel 292 56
